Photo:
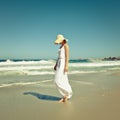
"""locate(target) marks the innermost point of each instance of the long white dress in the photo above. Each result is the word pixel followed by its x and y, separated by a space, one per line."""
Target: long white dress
pixel 61 78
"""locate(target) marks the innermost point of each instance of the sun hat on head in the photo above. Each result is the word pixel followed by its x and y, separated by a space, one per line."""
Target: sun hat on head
pixel 59 39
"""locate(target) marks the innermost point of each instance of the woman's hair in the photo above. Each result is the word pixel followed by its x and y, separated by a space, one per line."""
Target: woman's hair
pixel 65 41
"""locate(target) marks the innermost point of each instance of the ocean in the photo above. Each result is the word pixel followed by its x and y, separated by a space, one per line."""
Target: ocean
pixel 36 71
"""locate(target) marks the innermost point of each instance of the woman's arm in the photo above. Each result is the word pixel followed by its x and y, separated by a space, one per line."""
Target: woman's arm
pixel 55 65
pixel 66 58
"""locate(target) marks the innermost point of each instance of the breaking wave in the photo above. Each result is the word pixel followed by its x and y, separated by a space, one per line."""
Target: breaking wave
pixel 45 67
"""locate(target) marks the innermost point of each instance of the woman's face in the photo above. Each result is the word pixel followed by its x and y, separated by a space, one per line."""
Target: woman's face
pixel 63 42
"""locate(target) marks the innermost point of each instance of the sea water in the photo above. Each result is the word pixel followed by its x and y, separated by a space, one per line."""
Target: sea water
pixel 27 72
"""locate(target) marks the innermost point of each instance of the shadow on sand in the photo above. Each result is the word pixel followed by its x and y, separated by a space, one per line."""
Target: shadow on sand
pixel 42 96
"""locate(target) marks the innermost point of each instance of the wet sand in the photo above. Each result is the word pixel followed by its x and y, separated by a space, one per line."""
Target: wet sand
pixel 96 97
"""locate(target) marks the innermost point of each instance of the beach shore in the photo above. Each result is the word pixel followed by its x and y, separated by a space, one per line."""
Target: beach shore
pixel 96 97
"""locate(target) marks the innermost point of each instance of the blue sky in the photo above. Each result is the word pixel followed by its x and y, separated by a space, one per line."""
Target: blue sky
pixel 28 28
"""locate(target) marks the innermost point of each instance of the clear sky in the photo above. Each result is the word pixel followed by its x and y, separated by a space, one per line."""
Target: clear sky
pixel 28 28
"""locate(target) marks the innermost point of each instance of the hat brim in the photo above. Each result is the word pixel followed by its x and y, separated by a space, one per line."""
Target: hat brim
pixel 58 41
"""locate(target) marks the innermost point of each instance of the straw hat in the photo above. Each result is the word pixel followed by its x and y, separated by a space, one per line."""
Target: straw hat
pixel 59 39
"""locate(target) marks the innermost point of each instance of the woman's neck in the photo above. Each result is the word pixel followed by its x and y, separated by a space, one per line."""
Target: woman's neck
pixel 62 45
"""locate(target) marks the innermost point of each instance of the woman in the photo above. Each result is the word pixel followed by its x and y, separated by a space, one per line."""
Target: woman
pixel 61 68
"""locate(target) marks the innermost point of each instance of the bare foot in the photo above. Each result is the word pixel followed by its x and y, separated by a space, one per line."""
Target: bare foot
pixel 61 100
pixel 65 99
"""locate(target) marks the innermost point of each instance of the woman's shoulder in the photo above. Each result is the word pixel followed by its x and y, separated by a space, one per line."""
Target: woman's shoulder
pixel 66 46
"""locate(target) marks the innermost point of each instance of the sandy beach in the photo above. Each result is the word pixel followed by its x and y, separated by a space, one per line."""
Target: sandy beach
pixel 43 41
pixel 96 97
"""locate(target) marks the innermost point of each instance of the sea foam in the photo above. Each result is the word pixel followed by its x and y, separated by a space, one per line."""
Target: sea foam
pixel 45 67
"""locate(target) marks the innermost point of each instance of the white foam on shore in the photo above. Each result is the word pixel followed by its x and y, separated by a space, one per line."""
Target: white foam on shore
pixel 84 72
pixel 24 68
pixel 84 83
pixel 22 83
pixel 32 73
pixel 38 73
pixel 97 64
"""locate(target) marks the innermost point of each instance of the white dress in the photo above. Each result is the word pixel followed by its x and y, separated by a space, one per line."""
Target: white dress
pixel 61 78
